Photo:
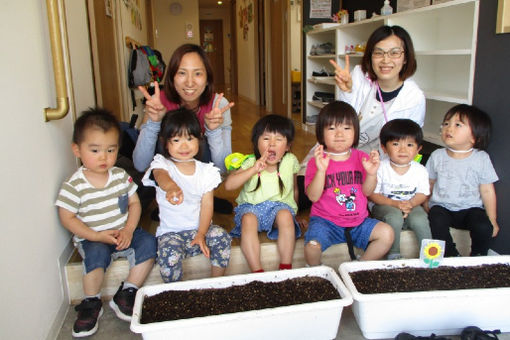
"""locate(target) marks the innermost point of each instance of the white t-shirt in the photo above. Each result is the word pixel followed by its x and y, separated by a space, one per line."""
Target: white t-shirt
pixel 402 187
pixel 185 216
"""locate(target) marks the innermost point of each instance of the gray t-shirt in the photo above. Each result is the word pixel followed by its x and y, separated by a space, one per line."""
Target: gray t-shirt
pixel 457 185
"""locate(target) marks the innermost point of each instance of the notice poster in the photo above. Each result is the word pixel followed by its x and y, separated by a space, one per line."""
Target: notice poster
pixel 320 9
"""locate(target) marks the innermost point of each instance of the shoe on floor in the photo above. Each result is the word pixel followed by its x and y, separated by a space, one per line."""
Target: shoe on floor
pixel 475 333
pixel 123 301
pixel 89 312
pixel 407 336
pixel 222 206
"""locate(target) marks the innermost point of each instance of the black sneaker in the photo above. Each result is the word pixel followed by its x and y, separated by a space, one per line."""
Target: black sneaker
pixel 123 301
pixel 475 333
pixel 89 311
pixel 407 336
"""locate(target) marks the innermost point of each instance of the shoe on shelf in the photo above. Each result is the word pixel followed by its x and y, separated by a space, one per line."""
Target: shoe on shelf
pixel 323 73
pixel 123 301
pixel 89 312
pixel 222 206
pixel 326 48
pixel 475 333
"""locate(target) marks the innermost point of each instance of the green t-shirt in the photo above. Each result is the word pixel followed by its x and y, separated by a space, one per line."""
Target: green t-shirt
pixel 269 189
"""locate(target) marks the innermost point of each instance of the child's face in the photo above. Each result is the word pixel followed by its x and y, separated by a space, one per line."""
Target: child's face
pixel 98 150
pixel 183 147
pixel 275 144
pixel 457 134
pixel 339 137
pixel 402 151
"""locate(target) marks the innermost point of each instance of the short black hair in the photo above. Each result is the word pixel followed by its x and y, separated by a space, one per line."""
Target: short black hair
pixel 94 118
pixel 271 123
pixel 478 120
pixel 398 129
pixel 337 112
pixel 177 123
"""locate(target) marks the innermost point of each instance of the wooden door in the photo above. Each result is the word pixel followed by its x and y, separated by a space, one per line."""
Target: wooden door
pixel 278 57
pixel 211 40
pixel 108 92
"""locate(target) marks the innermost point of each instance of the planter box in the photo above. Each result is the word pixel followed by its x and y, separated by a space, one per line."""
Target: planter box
pixel 422 313
pixel 318 320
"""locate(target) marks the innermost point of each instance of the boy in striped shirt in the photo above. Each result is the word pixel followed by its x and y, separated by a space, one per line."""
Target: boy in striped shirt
pixel 99 205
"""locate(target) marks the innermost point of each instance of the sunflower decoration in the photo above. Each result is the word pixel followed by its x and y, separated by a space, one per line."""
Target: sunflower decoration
pixel 432 252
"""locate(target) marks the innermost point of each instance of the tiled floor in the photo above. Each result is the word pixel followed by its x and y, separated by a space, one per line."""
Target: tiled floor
pixel 112 328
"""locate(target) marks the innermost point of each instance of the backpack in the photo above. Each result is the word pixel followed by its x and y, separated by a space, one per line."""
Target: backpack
pixel 139 72
pixel 156 63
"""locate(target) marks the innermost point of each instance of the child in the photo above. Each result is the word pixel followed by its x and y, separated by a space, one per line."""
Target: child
pixel 461 181
pixel 338 180
pixel 99 205
pixel 185 229
pixel 267 201
pixel 402 183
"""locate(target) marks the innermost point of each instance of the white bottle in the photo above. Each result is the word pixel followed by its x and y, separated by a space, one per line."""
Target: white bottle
pixel 386 9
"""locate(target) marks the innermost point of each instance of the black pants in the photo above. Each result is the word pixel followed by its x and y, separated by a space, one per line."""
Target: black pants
pixel 474 219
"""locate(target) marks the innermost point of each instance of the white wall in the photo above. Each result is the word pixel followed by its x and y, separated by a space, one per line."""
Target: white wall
pixel 247 57
pixel 170 29
pixel 36 157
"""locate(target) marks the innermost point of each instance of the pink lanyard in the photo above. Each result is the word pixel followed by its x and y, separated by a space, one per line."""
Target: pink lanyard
pixel 381 101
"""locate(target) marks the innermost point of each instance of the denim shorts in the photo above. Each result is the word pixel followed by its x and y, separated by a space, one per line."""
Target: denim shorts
pixel 266 215
pixel 327 233
pixel 99 255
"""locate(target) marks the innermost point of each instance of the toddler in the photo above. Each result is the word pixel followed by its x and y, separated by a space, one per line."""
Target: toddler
pixel 462 181
pixel 99 205
pixel 402 183
pixel 185 216
pixel 338 180
pixel 267 201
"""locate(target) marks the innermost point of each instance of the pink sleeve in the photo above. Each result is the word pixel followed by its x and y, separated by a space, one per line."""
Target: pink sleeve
pixel 168 104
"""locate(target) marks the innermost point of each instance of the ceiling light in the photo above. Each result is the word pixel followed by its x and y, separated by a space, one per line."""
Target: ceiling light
pixel 220 2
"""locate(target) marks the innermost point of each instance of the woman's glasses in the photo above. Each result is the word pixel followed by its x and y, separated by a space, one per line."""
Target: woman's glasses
pixel 394 53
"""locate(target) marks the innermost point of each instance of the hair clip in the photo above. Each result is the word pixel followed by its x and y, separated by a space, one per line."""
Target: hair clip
pixel 258 174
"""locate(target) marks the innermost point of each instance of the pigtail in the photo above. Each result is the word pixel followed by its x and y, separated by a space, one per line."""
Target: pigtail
pixel 280 182
pixel 258 183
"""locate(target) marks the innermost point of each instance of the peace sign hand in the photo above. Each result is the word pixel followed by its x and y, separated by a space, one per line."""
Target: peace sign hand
pixel 343 75
pixel 214 118
pixel 260 164
pixel 153 106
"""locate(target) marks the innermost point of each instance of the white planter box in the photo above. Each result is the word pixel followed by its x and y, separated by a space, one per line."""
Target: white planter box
pixel 317 320
pixel 422 313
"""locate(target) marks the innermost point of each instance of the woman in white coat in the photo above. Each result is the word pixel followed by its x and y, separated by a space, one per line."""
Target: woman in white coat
pixel 379 89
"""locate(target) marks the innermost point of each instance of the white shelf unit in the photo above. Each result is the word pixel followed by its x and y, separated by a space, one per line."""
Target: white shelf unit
pixel 444 38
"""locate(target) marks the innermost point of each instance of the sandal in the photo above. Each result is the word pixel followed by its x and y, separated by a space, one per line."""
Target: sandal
pixel 475 333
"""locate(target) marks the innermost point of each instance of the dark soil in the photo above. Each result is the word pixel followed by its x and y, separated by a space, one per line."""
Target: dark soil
pixel 408 279
pixel 175 304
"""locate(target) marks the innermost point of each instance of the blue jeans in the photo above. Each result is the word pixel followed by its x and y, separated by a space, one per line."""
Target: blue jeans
pixel 327 233
pixel 99 255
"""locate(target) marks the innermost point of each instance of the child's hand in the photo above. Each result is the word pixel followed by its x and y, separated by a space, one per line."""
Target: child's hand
pixel 321 158
pixel 405 207
pixel 214 118
pixel 124 239
pixel 108 236
pixel 372 163
pixel 153 106
pixel 174 194
pixel 343 75
pixel 200 240
pixel 260 164
pixel 495 229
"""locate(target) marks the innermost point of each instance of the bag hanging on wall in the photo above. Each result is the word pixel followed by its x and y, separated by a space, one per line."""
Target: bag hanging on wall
pixel 139 72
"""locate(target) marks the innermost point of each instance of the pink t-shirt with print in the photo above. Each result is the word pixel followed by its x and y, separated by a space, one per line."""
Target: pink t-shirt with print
pixel 342 201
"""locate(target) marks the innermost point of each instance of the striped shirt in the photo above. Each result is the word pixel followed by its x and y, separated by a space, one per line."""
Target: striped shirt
pixel 99 208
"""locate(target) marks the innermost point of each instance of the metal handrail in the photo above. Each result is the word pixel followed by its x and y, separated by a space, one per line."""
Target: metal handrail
pixel 58 64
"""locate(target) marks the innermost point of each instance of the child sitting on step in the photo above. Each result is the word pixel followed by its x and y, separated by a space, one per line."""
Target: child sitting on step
pixel 99 205
pixel 402 183
pixel 185 216
pixel 338 180
pixel 267 201
pixel 462 180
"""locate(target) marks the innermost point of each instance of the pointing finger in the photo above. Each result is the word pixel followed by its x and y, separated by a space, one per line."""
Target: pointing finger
pixel 145 92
